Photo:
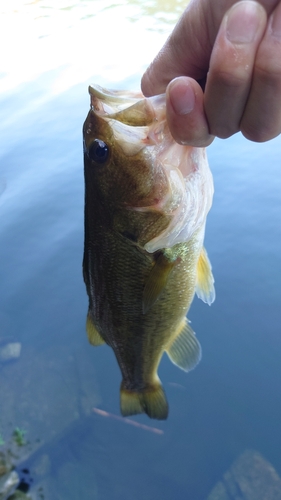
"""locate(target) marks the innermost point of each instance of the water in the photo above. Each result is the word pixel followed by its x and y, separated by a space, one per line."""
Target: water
pixel 232 401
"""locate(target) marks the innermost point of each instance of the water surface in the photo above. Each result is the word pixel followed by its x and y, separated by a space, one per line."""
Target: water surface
pixel 53 51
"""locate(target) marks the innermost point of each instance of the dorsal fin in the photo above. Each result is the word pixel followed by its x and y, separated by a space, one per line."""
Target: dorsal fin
pixel 185 350
pixel 205 289
pixel 156 281
pixel 93 335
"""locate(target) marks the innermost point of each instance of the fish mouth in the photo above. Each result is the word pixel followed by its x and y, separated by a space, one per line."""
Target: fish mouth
pixel 130 108
pixel 118 99
pixel 136 121
pixel 139 123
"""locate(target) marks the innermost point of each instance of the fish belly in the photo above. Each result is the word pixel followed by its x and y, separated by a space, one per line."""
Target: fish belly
pixel 118 271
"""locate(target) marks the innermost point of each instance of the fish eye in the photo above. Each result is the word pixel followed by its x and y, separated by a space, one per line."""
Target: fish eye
pixel 98 152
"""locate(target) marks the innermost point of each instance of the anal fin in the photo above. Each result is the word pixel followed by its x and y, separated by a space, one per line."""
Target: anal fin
pixel 185 350
pixel 93 335
pixel 205 289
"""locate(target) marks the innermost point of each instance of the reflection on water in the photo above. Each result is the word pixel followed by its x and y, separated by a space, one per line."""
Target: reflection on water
pixel 231 402
pixel 111 40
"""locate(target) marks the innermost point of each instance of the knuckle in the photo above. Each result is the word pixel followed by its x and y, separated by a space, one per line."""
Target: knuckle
pixel 269 74
pixel 253 134
pixel 223 130
pixel 268 61
pixel 259 133
pixel 147 84
pixel 261 127
pixel 234 78
pixel 223 134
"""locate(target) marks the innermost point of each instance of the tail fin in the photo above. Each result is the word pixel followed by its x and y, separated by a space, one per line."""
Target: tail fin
pixel 150 400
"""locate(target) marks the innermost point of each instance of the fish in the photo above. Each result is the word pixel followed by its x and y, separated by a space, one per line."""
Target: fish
pixel 146 203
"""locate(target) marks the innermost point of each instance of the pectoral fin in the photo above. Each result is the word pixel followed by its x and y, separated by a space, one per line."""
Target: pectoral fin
pixel 156 281
pixel 185 351
pixel 205 289
pixel 93 335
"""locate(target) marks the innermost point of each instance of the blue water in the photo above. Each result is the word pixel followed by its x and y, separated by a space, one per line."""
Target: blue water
pixel 232 400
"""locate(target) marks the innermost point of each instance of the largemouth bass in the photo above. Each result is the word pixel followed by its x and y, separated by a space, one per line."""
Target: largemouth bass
pixel 146 202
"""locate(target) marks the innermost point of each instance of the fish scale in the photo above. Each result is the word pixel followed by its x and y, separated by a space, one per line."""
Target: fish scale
pixel 143 254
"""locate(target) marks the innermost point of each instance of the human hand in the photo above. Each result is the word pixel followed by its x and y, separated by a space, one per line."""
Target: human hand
pixel 237 47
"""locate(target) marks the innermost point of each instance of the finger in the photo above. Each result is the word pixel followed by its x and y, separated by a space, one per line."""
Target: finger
pixel 185 113
pixel 231 66
pixel 184 53
pixel 188 49
pixel 262 117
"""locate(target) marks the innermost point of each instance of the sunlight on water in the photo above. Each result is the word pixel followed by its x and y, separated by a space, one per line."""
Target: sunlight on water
pixel 51 50
pixel 111 39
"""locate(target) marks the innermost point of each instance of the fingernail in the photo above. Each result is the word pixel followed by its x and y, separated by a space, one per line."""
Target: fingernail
pixel 181 96
pixel 276 23
pixel 243 21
